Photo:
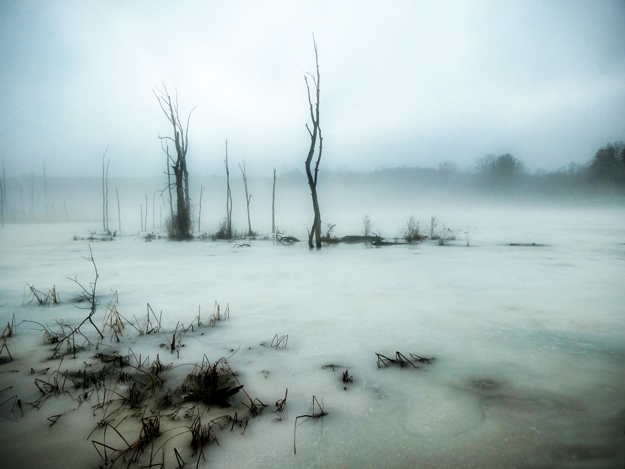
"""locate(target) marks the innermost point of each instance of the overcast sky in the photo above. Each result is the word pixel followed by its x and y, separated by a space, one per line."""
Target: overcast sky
pixel 408 83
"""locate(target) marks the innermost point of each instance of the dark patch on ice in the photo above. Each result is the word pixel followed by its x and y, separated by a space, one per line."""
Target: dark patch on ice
pixel 534 245
pixel 78 299
pixel 4 359
pixel 486 384
pixel 578 452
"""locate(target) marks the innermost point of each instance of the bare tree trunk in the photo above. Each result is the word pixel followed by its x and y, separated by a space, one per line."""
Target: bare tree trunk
pixel 45 189
pixel 228 198
pixel 104 189
pixel 31 184
pixel 312 180
pixel 2 203
pixel 145 224
pixel 153 209
pixel 171 204
pixel 4 192
pixel 119 213
pixel 22 210
pixel 273 204
pixel 142 218
pixel 199 217
pixel 243 168
pixel 181 223
pixel 108 228
pixel 186 191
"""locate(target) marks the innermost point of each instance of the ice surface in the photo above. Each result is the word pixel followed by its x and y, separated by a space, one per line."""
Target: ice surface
pixel 528 341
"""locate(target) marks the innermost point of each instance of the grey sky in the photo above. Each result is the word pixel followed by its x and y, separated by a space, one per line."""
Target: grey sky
pixel 403 83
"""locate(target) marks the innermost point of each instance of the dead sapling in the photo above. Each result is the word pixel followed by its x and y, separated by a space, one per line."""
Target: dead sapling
pixel 446 234
pixel 468 236
pixel 316 413
pixel 412 233
pixel 89 295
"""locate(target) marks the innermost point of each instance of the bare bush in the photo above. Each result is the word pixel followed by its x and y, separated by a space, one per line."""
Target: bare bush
pixel 412 233
pixel 367 227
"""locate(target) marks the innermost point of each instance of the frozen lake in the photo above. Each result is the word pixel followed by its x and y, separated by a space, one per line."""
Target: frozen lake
pixel 528 341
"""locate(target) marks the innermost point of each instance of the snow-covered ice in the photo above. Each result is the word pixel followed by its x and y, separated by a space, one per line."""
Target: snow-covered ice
pixel 528 343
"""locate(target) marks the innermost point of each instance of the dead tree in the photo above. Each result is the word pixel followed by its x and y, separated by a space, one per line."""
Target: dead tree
pixel 2 203
pixel 199 216
pixel 31 185
pixel 273 204
pixel 228 198
pixel 45 190
pixel 314 134
pixel 180 226
pixel 165 148
pixel 119 213
pixel 104 227
pixel 106 184
pixel 243 168
pixel 5 205
pixel 145 222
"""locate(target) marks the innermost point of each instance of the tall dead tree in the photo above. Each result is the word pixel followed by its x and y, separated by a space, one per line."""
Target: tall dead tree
pixel 228 198
pixel 180 224
pixel 165 148
pixel 45 189
pixel 314 134
pixel 273 204
pixel 4 193
pixel 248 197
pixel 31 185
pixel 2 202
pixel 199 216
pixel 105 194
pixel 119 213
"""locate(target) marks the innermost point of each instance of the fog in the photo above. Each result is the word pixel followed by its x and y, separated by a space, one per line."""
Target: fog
pixel 412 83
pixel 480 324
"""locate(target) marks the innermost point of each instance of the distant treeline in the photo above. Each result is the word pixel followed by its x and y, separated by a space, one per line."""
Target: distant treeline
pixel 498 177
pixel 32 198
